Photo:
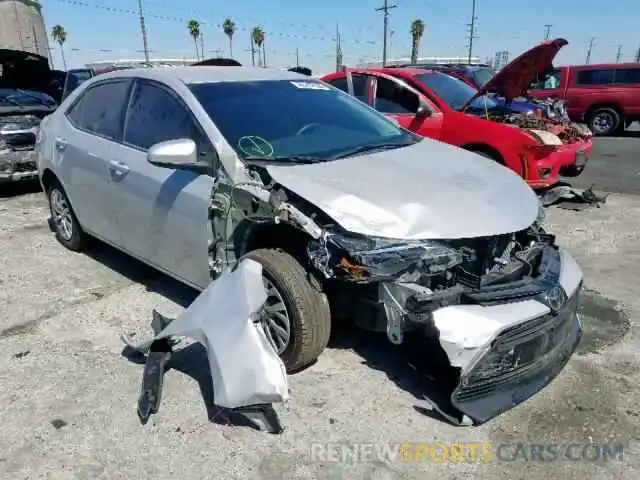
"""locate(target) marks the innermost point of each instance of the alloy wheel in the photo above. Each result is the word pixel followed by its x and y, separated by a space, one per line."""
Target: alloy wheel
pixel 61 213
pixel 276 322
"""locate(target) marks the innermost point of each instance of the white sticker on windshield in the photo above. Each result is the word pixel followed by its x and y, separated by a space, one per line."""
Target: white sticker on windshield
pixel 310 85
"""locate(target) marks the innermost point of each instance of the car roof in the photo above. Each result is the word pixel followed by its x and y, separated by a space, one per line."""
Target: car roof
pixel 205 74
pixel 404 71
pixel 616 66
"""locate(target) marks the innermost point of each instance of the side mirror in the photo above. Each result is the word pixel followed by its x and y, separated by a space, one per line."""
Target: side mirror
pixel 424 110
pixel 181 154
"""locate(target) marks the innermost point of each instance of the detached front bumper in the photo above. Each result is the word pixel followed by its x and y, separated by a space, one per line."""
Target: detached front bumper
pixel 17 165
pixel 511 341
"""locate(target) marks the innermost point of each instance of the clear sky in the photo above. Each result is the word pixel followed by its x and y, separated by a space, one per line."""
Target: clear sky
pixel 110 29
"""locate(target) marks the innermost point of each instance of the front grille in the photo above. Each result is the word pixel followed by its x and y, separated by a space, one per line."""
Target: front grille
pixel 20 141
pixel 520 352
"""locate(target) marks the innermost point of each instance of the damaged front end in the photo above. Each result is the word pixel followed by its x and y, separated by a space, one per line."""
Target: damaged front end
pixel 18 135
pixel 502 308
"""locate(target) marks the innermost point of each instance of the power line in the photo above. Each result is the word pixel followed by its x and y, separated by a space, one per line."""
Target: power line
pixel 472 29
pixel 547 33
pixel 385 9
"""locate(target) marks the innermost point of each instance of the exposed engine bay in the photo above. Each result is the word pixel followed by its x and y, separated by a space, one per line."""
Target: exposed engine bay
pixel 551 117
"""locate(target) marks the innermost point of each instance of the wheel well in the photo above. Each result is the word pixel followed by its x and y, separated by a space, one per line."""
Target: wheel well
pixel 613 106
pixel 486 149
pixel 48 179
pixel 283 237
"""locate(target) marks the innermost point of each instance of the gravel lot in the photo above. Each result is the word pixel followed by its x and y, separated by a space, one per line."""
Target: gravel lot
pixel 68 395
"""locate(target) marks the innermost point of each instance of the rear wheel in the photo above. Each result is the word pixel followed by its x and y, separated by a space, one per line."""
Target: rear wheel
pixel 299 320
pixel 604 121
pixel 63 220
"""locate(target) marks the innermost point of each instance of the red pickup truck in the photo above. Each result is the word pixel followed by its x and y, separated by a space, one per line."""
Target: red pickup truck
pixel 605 96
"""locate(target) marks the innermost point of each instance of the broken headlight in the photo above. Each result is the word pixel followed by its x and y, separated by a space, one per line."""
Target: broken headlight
pixel 377 259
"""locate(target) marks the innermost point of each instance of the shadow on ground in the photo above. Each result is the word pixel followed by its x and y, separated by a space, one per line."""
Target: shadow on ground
pixel 138 272
pixel 14 189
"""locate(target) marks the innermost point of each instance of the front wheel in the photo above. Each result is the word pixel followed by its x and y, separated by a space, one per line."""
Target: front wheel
pixel 298 320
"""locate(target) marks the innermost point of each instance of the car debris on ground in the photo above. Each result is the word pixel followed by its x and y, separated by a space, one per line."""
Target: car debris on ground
pixel 563 195
pixel 247 374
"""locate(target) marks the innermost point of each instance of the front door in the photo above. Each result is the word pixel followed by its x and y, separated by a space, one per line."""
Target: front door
pixel 163 213
pixel 395 99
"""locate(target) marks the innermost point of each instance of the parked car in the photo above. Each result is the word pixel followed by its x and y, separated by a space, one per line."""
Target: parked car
pixel 191 169
pixel 435 105
pixel 605 96
pixel 20 114
pixel 476 75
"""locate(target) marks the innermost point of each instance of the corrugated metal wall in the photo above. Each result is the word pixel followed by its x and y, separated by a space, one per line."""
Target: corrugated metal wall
pixel 22 27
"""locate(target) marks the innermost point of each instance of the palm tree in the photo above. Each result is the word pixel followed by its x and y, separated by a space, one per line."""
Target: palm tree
pixel 417 30
pixel 59 34
pixel 194 30
pixel 229 28
pixel 257 36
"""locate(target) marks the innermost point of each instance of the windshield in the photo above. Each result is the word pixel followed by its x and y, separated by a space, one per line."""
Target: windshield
pixel 482 75
pixel 295 118
pixel 455 92
pixel 25 98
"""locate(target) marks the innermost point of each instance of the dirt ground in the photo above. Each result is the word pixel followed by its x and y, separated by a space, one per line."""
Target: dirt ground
pixel 68 396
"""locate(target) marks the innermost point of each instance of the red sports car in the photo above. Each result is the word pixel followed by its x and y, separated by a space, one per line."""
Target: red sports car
pixel 540 148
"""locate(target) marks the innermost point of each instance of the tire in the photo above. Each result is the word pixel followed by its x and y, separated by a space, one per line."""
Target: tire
pixel 306 306
pixel 68 231
pixel 604 121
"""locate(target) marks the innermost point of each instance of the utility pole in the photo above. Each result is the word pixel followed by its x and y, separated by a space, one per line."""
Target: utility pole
pixel 297 57
pixel 588 59
pixel 338 50
pixel 547 33
pixel 472 30
pixel 143 30
pixel 253 50
pixel 638 55
pixel 202 43
pixel 385 9
pixel 619 54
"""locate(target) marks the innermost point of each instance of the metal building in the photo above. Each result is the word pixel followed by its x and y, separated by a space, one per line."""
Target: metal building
pixel 22 27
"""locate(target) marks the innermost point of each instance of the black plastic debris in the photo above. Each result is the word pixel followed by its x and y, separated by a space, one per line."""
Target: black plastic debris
pixel 563 195
pixel 158 356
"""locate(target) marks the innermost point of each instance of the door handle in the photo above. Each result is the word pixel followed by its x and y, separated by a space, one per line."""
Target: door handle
pixel 61 144
pixel 118 169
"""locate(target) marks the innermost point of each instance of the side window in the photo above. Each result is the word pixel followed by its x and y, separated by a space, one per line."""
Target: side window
pixel 359 86
pixel 100 109
pixel 628 76
pixel 549 81
pixel 391 97
pixel 155 115
pixel 595 77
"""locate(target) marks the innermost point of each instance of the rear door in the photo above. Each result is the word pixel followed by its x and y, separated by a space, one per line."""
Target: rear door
pixel 84 146
pixel 163 213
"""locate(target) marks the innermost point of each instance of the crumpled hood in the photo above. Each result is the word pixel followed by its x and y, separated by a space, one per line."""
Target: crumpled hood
pixel 513 79
pixel 429 190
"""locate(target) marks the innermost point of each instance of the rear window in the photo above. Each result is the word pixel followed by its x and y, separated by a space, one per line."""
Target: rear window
pixel 609 76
